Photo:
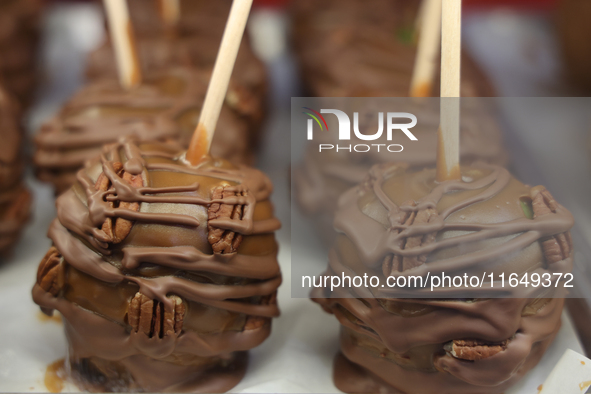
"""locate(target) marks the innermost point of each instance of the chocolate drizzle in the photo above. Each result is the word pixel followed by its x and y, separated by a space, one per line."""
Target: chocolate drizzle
pixel 165 107
pixel 375 244
pixel 166 258
pixel 400 344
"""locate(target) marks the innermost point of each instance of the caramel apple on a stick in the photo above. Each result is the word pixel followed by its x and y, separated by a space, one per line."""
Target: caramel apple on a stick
pixel 165 274
pixel 164 106
pixel 405 223
pixel 164 271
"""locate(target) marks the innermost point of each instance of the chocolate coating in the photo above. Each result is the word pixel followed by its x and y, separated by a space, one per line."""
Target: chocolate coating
pixel 249 85
pixel 198 17
pixel 15 199
pixel 572 23
pixel 357 48
pixel 158 309
pixel 165 107
pixel 20 22
pixel 402 222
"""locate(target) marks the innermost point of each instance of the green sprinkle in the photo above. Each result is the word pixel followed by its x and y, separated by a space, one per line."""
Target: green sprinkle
pixel 406 35
pixel 526 207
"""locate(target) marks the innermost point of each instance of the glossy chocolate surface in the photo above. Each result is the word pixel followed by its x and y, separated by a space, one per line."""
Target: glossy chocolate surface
pixel 165 107
pixel 403 222
pixel 228 298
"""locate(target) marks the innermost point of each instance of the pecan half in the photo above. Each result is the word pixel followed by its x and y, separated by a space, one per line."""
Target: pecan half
pixel 48 273
pixel 224 241
pixel 557 247
pixel 116 229
pixel 151 318
pixel 473 350
pixel 396 263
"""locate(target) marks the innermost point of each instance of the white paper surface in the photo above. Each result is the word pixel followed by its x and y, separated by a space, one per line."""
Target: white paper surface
pixel 572 375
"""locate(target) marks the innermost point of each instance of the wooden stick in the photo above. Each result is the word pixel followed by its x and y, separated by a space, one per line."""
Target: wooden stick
pixel 218 85
pixel 448 152
pixel 428 49
pixel 170 11
pixel 123 41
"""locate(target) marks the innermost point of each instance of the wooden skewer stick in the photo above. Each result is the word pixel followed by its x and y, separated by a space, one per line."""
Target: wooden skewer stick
pixel 448 152
pixel 170 10
pixel 128 65
pixel 218 85
pixel 428 49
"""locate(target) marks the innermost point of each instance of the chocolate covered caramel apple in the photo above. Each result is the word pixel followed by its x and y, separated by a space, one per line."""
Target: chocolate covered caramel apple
pixel 165 107
pixel 197 17
pixel 401 222
pixel 352 48
pixel 20 22
pixel 156 53
pixel 15 199
pixel 322 176
pixel 165 274
pixel 193 42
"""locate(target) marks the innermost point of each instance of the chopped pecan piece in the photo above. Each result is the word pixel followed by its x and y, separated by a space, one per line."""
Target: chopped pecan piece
pixel 473 350
pixel 395 263
pixel 48 273
pixel 224 241
pixel 557 247
pixel 254 322
pixel 151 317
pixel 116 229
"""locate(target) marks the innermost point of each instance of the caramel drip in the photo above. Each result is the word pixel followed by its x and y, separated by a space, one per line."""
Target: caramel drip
pixel 54 376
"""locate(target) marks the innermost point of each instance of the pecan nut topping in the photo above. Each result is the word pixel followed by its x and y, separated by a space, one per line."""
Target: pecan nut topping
pixel 151 318
pixel 557 247
pixel 224 241
pixel 396 263
pixel 116 229
pixel 49 272
pixel 473 350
